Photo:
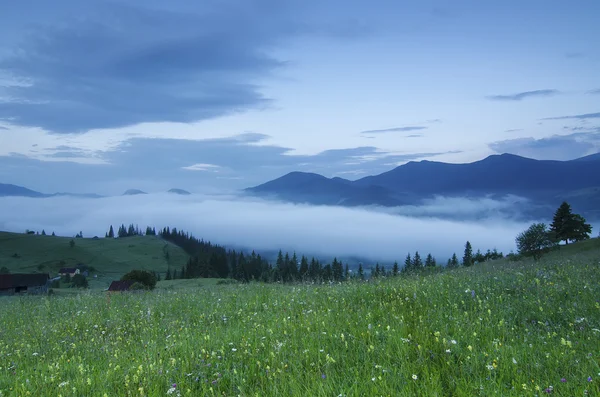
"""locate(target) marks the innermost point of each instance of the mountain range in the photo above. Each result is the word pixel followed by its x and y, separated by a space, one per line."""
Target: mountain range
pixel 7 190
pixel 541 184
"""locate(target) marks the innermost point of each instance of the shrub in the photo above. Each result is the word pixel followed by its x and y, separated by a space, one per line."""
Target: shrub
pixel 79 281
pixel 148 279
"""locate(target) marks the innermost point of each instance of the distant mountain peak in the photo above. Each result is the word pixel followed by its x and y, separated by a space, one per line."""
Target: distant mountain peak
pixel 133 192
pixel 179 191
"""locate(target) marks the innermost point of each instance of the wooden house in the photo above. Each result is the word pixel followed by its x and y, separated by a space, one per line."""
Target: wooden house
pixel 22 283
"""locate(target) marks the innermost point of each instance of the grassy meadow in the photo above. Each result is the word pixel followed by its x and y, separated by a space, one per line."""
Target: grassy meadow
pixel 111 258
pixel 501 328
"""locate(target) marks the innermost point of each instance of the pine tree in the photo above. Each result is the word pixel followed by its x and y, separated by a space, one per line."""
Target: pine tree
pixel 455 262
pixel 111 232
pixel 53 234
pixel 303 268
pixel 361 272
pixel 429 261
pixel 417 262
pixel 395 269
pixel 567 226
pixel 346 273
pixel 407 263
pixel 468 255
pixel 43 232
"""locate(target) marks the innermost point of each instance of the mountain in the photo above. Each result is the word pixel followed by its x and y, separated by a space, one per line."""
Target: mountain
pixel 179 191
pixel 14 190
pixel 133 192
pixel 300 187
pixel 544 183
pixel 7 190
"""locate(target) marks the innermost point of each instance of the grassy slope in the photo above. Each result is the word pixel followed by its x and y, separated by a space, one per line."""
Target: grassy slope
pixel 527 327
pixel 110 257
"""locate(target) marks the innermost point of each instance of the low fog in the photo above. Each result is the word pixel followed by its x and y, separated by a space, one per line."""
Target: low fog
pixel 268 225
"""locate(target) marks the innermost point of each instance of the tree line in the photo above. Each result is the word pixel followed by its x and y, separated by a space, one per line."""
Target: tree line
pixel 566 226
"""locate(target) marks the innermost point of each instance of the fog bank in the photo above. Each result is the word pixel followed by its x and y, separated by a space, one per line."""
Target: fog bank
pixel 268 225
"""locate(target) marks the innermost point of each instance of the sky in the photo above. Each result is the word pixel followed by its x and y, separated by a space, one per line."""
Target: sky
pixel 219 95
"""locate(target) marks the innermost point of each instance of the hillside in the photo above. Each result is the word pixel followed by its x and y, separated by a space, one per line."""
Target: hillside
pixel 544 183
pixel 499 328
pixel 111 258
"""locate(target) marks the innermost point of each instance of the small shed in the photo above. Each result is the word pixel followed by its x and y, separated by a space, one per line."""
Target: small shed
pixel 22 283
pixel 120 286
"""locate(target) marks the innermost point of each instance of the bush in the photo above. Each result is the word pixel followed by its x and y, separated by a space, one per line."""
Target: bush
pixel 79 281
pixel 55 284
pixel 148 279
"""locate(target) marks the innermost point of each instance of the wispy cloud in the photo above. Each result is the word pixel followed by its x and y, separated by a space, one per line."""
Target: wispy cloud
pixel 594 92
pixel 395 129
pixel 523 95
pixel 574 55
pixel 201 167
pixel 584 116
pixel 556 147
pixel 514 130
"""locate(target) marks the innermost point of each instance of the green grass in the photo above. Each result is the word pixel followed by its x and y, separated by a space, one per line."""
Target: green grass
pixel 110 257
pixel 527 327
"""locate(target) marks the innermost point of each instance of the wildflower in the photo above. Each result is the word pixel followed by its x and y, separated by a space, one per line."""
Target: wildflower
pixel 415 377
pixel 563 380
pixel 589 379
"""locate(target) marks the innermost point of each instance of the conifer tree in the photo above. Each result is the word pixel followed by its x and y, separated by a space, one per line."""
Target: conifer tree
pixel 395 269
pixel 429 261
pixel 468 255
pixel 417 262
pixel 408 263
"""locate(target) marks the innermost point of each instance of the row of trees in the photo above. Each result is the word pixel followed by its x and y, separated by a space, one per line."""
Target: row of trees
pixel 566 226
pixel 129 231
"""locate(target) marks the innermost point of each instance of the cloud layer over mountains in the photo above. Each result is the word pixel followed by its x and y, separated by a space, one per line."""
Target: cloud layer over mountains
pixel 261 225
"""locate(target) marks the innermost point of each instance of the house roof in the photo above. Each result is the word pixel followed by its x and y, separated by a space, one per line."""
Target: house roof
pixel 68 270
pixel 14 280
pixel 120 285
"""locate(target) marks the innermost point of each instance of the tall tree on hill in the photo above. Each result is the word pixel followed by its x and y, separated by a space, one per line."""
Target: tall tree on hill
pixel 395 269
pixel 453 262
pixel 567 226
pixel 417 262
pixel 408 263
pixel 346 273
pixel 111 232
pixel 303 268
pixel 468 255
pixel 361 272
pixel 43 232
pixel 429 261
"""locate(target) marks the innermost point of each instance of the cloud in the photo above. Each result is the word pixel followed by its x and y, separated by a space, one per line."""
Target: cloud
pixel 556 147
pixel 574 55
pixel 201 167
pixel 150 164
pixel 514 130
pixel 126 62
pixel 263 225
pixel 523 95
pixel 396 129
pixel 594 92
pixel 584 116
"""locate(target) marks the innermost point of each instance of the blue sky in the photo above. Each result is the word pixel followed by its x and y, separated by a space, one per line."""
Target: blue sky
pixel 104 96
